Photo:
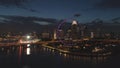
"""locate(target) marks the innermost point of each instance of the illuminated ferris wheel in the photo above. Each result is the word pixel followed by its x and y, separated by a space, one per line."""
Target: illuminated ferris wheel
pixel 59 31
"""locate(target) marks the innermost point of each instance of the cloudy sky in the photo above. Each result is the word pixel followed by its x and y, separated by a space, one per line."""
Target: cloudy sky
pixel 61 9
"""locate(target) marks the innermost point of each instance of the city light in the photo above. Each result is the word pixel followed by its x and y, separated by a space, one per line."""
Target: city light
pixel 28 37
pixel 74 22
pixel 28 45
pixel 59 34
pixel 28 51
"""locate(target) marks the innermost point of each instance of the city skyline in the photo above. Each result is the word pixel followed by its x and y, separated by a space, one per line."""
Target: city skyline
pixel 62 9
pixel 59 33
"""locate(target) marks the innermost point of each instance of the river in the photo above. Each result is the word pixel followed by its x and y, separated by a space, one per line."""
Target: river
pixel 36 56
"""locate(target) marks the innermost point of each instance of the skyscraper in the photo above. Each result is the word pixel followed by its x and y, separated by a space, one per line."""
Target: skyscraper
pixel 75 32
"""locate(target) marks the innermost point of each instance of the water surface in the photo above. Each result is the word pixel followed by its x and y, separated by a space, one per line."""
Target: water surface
pixel 36 56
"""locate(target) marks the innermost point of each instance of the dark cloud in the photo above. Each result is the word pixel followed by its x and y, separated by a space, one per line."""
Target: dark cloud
pixel 108 4
pixel 116 19
pixel 18 4
pixel 29 9
pixel 12 2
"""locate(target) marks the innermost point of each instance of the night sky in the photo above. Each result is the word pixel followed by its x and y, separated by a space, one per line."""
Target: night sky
pixel 61 9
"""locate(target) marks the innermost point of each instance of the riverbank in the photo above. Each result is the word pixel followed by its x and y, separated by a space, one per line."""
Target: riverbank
pixel 63 50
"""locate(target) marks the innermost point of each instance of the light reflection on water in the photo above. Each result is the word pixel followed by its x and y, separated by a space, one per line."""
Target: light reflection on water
pixel 28 51
pixel 35 54
pixel 85 59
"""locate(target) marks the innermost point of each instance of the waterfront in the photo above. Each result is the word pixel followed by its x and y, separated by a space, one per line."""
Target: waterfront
pixel 36 56
pixel 59 34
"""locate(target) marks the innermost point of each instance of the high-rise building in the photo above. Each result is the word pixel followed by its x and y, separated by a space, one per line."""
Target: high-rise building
pixel 45 35
pixel 92 35
pixel 55 35
pixel 60 34
pixel 75 32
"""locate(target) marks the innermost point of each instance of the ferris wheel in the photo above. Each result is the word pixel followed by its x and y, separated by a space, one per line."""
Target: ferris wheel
pixel 59 31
